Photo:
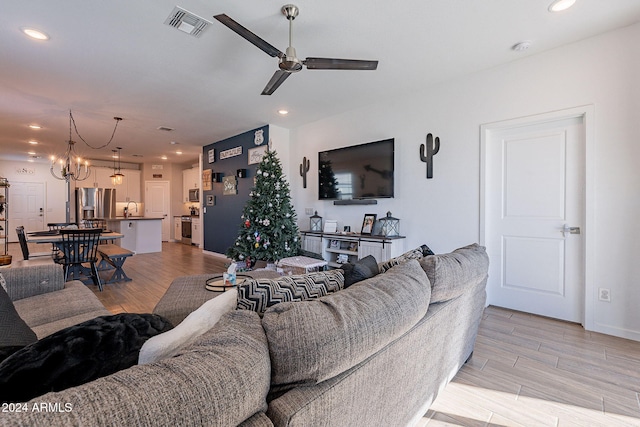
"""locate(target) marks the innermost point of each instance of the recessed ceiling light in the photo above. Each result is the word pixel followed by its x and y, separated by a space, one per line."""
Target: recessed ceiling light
pixel 178 152
pixel 283 112
pixel 164 157
pixel 33 142
pixel 560 5
pixel 35 34
pixel 35 126
pixel 31 153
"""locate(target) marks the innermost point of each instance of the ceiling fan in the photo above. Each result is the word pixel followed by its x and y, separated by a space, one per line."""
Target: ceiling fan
pixel 288 62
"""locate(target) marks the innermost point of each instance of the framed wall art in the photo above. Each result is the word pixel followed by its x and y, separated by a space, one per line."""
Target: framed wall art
pixel 206 180
pixel 367 223
pixel 255 154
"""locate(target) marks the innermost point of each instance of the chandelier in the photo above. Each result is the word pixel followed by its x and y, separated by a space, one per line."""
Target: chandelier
pixel 71 167
pixel 116 178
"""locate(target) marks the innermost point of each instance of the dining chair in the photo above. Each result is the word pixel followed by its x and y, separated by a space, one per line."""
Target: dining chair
pixel 22 238
pixel 78 247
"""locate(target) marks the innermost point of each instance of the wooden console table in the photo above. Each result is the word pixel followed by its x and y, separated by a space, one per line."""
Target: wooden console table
pixel 337 248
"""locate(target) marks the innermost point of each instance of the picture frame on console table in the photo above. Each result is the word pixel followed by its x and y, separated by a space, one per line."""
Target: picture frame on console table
pixel 367 223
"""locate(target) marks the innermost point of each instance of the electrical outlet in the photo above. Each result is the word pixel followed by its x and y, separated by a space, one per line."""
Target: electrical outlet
pixel 604 294
pixel 308 211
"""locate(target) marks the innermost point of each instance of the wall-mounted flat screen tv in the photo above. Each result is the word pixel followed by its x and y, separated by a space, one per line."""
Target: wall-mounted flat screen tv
pixel 362 171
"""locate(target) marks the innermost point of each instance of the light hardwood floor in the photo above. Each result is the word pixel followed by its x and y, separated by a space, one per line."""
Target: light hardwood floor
pixel 526 370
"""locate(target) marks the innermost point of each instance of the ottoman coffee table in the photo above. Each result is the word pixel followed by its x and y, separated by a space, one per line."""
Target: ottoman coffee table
pixel 187 293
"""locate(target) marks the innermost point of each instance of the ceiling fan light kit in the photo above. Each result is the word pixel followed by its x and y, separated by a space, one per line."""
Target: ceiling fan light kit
pixel 288 62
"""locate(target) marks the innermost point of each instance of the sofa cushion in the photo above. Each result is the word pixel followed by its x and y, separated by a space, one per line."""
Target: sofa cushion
pixel 417 253
pixel 222 379
pixel 76 355
pixel 195 324
pixel 14 332
pixel 362 269
pixel 315 340
pixel 450 274
pixel 50 312
pixel 259 294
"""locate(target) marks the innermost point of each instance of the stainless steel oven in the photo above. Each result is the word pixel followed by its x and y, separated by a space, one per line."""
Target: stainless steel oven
pixel 186 230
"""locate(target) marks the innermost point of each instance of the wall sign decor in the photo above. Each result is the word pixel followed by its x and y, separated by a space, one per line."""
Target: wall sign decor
pixel 304 168
pixel 428 151
pixel 230 184
pixel 256 154
pixel 26 171
pixel 211 200
pixel 241 173
pixel 212 155
pixel 232 152
pixel 207 176
pixel 157 167
pixel 258 137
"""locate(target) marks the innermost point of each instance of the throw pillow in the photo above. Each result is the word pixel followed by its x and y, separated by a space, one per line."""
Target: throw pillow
pixel 14 332
pixel 417 253
pixel 76 355
pixel 260 294
pixel 3 282
pixel 362 269
pixel 195 324
pixel 451 274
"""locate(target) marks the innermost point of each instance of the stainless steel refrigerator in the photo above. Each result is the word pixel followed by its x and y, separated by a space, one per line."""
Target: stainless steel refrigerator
pixel 95 203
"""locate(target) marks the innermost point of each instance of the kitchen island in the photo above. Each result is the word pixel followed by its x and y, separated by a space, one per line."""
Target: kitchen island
pixel 140 234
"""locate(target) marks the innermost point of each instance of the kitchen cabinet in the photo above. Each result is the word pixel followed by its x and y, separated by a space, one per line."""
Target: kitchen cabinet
pixel 140 234
pixel 177 228
pixel 98 178
pixel 196 232
pixel 129 190
pixel 190 180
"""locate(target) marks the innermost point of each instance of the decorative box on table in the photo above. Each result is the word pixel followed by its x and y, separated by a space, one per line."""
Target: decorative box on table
pixel 301 265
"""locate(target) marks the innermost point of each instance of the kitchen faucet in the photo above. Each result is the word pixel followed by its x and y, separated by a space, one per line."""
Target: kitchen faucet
pixel 126 209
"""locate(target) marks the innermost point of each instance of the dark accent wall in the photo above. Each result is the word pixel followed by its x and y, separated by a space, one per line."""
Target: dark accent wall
pixel 221 222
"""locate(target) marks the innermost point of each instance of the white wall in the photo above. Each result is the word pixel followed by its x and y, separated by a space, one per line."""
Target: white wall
pixel 444 211
pixel 55 190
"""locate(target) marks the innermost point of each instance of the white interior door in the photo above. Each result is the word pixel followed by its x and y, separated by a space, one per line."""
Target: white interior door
pixel 26 207
pixel 534 205
pixel 157 204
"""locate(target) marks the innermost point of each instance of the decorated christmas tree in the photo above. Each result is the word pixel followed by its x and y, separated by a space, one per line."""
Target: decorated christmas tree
pixel 268 230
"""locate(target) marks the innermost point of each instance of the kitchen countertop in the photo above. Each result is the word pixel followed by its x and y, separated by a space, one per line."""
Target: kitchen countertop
pixel 132 218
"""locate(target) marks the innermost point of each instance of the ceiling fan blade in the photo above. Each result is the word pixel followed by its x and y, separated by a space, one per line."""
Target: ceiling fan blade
pixel 339 64
pixel 276 80
pixel 248 35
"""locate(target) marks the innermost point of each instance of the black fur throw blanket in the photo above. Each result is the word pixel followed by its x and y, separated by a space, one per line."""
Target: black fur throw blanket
pixel 78 354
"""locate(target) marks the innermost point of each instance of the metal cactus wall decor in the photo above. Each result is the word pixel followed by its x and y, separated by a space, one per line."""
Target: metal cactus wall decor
pixel 304 168
pixel 427 151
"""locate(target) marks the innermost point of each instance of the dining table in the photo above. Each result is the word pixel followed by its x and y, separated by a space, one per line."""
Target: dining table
pixel 55 238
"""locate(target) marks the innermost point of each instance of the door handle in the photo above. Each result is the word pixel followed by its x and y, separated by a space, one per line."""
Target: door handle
pixel 570 230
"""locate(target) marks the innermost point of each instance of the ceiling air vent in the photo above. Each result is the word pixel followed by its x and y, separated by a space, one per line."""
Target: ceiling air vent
pixel 187 22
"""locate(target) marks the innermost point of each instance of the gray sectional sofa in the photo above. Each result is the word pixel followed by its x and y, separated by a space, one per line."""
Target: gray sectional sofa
pixel 45 302
pixel 376 353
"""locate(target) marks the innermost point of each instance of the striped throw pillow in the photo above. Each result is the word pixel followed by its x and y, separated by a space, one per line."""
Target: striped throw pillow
pixel 260 294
